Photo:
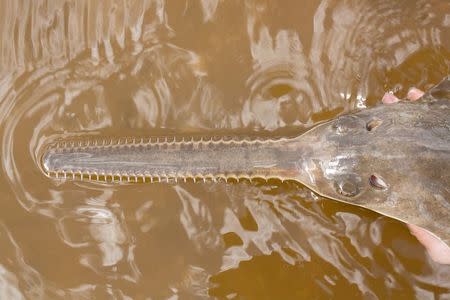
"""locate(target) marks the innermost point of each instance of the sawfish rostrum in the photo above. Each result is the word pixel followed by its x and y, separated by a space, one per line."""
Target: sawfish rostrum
pixel 391 159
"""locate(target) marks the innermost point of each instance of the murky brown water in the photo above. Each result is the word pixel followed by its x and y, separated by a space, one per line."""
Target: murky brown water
pixel 266 68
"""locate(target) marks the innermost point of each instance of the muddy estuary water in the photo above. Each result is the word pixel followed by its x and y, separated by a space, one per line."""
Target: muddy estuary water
pixel 206 67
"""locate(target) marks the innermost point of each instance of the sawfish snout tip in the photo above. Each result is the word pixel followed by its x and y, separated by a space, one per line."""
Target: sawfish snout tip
pixel 51 160
pixel 46 161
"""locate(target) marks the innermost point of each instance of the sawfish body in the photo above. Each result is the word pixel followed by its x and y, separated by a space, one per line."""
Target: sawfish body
pixel 393 159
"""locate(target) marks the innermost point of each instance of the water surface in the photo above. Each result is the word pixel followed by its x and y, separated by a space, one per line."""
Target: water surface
pixel 254 68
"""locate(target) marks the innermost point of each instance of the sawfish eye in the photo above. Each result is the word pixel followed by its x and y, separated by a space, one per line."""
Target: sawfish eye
pixel 347 124
pixel 347 188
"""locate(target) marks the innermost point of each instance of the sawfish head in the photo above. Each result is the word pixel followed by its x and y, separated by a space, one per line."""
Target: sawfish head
pixel 393 159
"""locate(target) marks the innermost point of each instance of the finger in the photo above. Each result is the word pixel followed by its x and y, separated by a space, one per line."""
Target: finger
pixel 414 94
pixel 436 248
pixel 389 98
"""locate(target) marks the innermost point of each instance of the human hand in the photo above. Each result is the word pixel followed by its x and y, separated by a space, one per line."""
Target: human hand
pixel 436 248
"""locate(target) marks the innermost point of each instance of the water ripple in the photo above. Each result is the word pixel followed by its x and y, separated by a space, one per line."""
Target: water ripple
pixel 71 68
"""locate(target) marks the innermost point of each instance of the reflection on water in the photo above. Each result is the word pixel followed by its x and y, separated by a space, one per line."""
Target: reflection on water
pixel 121 68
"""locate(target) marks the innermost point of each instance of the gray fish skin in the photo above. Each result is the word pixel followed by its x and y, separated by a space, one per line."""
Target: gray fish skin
pixel 393 159
pixel 399 168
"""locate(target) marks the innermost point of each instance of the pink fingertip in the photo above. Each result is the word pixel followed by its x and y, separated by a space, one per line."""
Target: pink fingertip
pixel 414 94
pixel 436 248
pixel 389 98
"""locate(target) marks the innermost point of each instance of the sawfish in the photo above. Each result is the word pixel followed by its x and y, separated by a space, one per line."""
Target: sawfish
pixel 392 159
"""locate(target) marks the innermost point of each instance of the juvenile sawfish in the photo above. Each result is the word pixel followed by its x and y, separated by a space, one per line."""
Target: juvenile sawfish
pixel 392 159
